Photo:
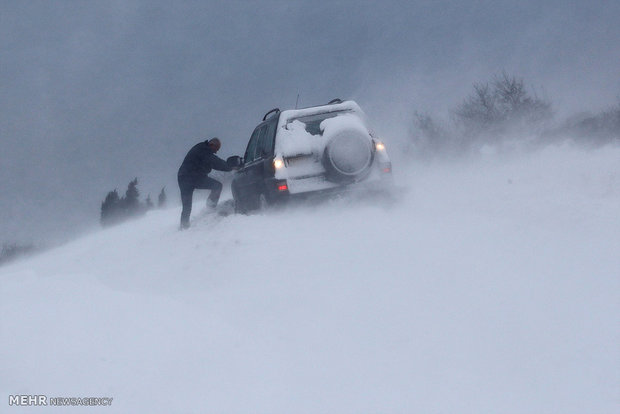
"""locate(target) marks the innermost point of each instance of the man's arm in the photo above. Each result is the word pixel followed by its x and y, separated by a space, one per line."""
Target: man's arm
pixel 219 164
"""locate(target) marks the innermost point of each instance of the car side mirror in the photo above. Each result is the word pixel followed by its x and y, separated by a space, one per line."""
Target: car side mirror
pixel 235 161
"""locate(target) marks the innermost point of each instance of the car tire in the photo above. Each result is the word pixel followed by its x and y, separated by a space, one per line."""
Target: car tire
pixel 240 204
pixel 263 203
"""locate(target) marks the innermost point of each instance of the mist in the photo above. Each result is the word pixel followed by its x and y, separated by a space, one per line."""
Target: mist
pixel 477 276
pixel 94 94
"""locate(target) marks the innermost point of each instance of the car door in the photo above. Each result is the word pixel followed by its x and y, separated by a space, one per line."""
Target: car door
pixel 240 185
pixel 254 167
pixel 249 182
pixel 266 144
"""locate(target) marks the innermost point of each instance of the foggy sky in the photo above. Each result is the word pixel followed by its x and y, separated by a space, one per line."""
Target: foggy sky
pixel 95 93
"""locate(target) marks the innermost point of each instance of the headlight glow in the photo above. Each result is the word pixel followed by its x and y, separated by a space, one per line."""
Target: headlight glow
pixel 380 146
pixel 278 163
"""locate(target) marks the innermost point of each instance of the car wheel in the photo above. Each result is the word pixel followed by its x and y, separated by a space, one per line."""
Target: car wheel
pixel 238 209
pixel 240 205
pixel 263 203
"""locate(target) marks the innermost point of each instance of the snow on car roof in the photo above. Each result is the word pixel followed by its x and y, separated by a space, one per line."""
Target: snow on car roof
pixel 289 114
pixel 294 138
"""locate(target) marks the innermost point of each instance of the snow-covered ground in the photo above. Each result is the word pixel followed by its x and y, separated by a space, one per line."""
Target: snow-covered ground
pixel 491 286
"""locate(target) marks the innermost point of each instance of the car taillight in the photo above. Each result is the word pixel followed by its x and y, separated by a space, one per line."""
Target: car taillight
pixel 281 186
pixel 278 163
pixel 387 170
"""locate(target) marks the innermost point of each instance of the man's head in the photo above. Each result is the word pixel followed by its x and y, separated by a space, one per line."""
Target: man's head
pixel 215 144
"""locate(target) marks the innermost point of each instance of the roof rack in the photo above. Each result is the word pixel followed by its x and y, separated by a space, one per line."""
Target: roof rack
pixel 335 101
pixel 276 110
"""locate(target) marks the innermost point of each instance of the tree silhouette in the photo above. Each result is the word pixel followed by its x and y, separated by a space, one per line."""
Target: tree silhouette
pixel 148 203
pixel 11 251
pixel 130 202
pixel 501 107
pixel 115 209
pixel 110 209
pixel 161 200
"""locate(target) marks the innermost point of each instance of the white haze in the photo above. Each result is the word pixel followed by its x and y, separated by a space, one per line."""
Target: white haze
pixel 96 93
pixel 487 286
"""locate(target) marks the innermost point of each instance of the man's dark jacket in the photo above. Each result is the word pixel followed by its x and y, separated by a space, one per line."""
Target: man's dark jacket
pixel 199 162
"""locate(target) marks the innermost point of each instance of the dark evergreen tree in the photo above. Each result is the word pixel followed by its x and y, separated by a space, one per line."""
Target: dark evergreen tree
pixel 115 209
pixel 130 202
pixel 161 200
pixel 11 251
pixel 149 203
pixel 111 209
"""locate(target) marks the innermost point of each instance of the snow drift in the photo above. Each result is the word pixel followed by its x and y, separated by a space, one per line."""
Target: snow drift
pixel 489 286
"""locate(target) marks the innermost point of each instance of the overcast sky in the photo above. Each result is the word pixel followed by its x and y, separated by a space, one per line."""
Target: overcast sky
pixel 94 93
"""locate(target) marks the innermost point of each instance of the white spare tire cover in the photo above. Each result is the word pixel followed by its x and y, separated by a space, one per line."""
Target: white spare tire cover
pixel 348 155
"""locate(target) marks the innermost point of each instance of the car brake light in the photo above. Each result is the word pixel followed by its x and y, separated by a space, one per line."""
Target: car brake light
pixel 282 187
pixel 387 169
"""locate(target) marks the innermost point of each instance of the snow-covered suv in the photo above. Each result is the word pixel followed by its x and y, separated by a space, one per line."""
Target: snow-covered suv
pixel 312 150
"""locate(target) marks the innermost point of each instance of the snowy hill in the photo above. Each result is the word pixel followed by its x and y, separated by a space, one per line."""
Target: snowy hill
pixel 490 286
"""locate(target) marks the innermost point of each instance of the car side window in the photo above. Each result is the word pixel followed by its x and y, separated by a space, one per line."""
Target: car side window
pixel 269 137
pixel 260 142
pixel 251 149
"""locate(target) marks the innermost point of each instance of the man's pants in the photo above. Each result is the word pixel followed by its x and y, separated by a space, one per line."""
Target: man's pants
pixel 187 185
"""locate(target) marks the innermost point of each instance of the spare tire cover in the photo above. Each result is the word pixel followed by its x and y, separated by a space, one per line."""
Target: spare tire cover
pixel 348 155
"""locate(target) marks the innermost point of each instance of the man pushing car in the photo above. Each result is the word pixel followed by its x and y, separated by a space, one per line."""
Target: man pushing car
pixel 193 175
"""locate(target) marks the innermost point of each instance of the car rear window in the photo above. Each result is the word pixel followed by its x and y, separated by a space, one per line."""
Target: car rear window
pixel 313 122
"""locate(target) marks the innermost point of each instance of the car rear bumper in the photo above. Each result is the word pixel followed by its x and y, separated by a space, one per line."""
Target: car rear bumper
pixel 318 186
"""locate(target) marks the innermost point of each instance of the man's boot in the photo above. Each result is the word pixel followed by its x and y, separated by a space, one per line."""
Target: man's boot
pixel 211 204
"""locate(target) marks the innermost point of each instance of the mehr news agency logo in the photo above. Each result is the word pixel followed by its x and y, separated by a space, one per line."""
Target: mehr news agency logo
pixel 44 400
